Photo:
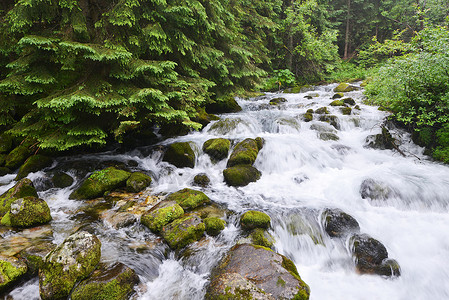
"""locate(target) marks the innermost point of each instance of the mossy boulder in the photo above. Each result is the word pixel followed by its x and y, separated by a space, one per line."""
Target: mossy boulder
pixel 137 182
pixel 255 219
pixel 71 262
pixel 6 143
pixel 322 110
pixel 27 212
pixel 35 254
pixel 33 164
pixel 217 149
pixel 344 87
pixel 201 180
pixel 62 180
pixel 23 188
pixel 382 141
pixel 348 101
pixel 162 214
pixel 183 232
pixel 307 117
pixel 204 118
pixel 277 101
pixel 337 103
pixel 338 95
pixel 180 155
pixel 115 282
pixel 17 157
pixel 241 175
pixel 214 225
pixel 346 110
pixel 255 272
pixel 11 270
pixel 371 256
pixel 228 105
pixel 244 153
pixel 100 182
pixel 337 223
pixel 188 198
pixel 331 119
pixel 328 136
pixel 261 237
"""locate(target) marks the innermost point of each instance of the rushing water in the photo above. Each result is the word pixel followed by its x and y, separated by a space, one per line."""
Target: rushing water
pixel 301 175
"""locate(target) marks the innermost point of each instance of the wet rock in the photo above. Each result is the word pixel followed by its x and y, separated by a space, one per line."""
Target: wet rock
pixel 201 180
pixel 338 223
pixel 277 101
pixel 245 153
pixel 11 270
pixel 375 190
pixel 338 96
pixel 371 256
pixel 204 118
pixel 344 87
pixel 331 119
pixel 254 272
pixel 27 212
pixel 228 105
pixel 241 175
pixel 183 232
pixel 328 136
pixel 101 182
pixel 337 103
pixel 34 256
pixel 162 214
pixel 262 238
pixel 115 282
pixel 119 220
pixel 6 143
pixel 69 263
pixel 346 110
pixel 307 117
pixel 137 182
pixel 303 224
pixel 381 141
pixel 21 189
pixel 211 210
pixel 17 157
pixel 180 155
pixel 323 127
pixel 217 149
pixel 348 101
pixel 214 225
pixel 357 107
pixel 188 198
pixel 322 110
pixel 62 180
pixel 255 219
pixel 33 164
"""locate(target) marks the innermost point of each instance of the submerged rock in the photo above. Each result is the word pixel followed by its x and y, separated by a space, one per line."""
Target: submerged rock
pixel 11 270
pixel 27 212
pixel 70 262
pixel 115 282
pixel 328 136
pixel 217 149
pixel 33 164
pixel 241 175
pixel 245 153
pixel 224 126
pixel 137 182
pixel 376 190
pixel 180 155
pixel 371 256
pixel 23 188
pixel 338 223
pixel 255 219
pixel 183 232
pixel 162 214
pixel 101 182
pixel 188 198
pixel 255 272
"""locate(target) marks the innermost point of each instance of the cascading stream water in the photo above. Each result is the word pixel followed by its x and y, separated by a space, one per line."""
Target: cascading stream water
pixel 301 176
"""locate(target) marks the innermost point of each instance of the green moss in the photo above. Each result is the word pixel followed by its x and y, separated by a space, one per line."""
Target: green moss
pixel 346 110
pixel 343 88
pixel 214 225
pixel 180 155
pixel 337 103
pixel 277 101
pixel 322 110
pixel 241 175
pixel 100 182
pixel 260 142
pixel 331 119
pixel 23 188
pixel 10 271
pixel 201 180
pixel 137 182
pixel 304 291
pixel 245 153
pixel 158 218
pixel 29 211
pixel 262 238
pixel 217 149
pixel 255 219
pixel 280 281
pixel 33 164
pixel 338 96
pixel 17 156
pixel 6 220
pixel 188 198
pixel 183 232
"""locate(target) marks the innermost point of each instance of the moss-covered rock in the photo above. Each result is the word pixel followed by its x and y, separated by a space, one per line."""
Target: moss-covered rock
pixel 2 159
pixel 180 155
pixel 277 101
pixel 201 180
pixel 188 198
pixel 255 219
pixel 69 263
pixel 261 237
pixel 338 95
pixel 33 164
pixel 27 212
pixel 11 270
pixel 328 136
pixel 4 171
pixel 162 214
pixel 23 188
pixel 348 101
pixel 183 232
pixel 337 103
pixel 217 149
pixel 344 87
pixel 228 105
pixel 338 223
pixel 322 110
pixel 244 153
pixel 6 143
pixel 17 157
pixel 241 175
pixel 34 256
pixel 331 119
pixel 255 272
pixel 62 180
pixel 107 283
pixel 307 117
pixel 214 225
pixel 382 141
pixel 211 210
pixel 204 118
pixel 346 110
pixel 100 182
pixel 137 182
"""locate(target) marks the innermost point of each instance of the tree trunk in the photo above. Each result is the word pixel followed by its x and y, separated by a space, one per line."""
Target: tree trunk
pixel 348 17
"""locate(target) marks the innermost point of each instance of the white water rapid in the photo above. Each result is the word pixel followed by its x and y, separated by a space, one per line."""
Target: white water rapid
pixel 301 176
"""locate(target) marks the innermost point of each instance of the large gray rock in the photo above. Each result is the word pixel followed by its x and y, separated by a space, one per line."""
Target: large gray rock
pixel 69 263
pixel 254 272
